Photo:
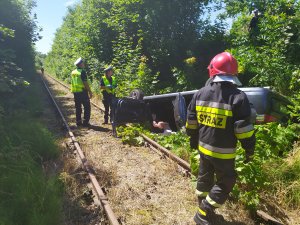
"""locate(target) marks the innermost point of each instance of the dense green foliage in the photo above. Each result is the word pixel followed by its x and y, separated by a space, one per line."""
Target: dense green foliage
pixel 27 195
pixel 273 142
pixel 165 46
pixel 156 46
pixel 269 54
pixel 39 60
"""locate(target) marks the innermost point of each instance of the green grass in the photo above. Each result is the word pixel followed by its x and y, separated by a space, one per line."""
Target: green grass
pixel 28 195
pixel 284 178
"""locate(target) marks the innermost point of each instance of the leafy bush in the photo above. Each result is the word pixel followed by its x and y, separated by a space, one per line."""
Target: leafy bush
pixel 28 196
pixel 284 176
pixel 178 143
pixel 274 142
pixel 131 135
pixel 268 57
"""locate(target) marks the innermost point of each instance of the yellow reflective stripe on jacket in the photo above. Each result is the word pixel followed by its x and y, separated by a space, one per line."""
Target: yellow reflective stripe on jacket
pixel 212 120
pixel 191 124
pixel 216 154
pixel 244 132
pixel 244 135
pixel 214 107
pixel 216 149
pixel 213 114
pixel 214 104
pixel 76 82
pixel 192 127
pixel 211 110
pixel 200 193
pixel 212 202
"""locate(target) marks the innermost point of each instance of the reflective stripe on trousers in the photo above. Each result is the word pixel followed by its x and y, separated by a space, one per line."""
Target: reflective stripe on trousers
pixel 224 169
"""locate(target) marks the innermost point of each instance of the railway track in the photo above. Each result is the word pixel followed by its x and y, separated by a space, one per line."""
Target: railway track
pixel 90 171
pixel 145 216
pixel 154 145
pixel 149 203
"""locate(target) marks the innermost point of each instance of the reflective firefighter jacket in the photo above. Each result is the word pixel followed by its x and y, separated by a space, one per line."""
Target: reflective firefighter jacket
pixel 107 84
pixel 76 81
pixel 219 115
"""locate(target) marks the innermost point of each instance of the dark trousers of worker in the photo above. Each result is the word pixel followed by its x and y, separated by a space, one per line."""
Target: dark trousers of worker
pixel 219 189
pixel 108 106
pixel 82 98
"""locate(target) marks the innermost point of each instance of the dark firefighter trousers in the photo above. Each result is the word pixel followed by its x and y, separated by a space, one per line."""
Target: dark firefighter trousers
pixel 82 98
pixel 219 189
pixel 108 101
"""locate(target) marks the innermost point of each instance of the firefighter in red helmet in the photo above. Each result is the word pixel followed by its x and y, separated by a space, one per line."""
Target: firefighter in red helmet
pixel 218 116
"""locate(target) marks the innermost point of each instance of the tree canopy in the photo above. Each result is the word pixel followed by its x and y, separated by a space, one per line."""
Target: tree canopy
pixel 18 32
pixel 269 55
pixel 157 46
pixel 163 46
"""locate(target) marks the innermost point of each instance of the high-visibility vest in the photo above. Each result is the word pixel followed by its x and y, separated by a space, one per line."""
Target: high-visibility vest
pixel 107 84
pixel 76 82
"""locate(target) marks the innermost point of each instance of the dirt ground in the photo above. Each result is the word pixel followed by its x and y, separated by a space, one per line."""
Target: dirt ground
pixel 143 187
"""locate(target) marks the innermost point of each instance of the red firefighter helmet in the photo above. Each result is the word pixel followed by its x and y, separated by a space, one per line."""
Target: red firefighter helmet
pixel 223 63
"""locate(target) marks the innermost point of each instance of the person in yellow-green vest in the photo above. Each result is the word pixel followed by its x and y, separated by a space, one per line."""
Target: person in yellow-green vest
pixel 108 86
pixel 218 116
pixel 82 93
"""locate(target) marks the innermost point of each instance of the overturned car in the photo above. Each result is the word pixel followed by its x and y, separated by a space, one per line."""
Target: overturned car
pixel 172 108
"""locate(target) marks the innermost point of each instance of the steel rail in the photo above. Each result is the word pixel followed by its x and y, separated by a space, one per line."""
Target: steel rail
pixel 185 165
pixel 100 194
pixel 67 87
pixel 168 153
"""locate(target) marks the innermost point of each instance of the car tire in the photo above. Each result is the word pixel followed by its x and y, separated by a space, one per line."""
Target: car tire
pixel 137 94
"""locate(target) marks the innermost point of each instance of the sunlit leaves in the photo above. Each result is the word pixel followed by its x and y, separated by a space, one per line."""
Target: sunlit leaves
pixel 268 56
pixel 5 32
pixel 122 32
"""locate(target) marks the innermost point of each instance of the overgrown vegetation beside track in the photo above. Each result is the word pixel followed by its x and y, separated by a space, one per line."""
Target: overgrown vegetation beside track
pixel 28 195
pixel 152 48
pixel 274 172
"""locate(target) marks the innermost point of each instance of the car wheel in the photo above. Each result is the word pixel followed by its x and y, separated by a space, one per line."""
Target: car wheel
pixel 137 94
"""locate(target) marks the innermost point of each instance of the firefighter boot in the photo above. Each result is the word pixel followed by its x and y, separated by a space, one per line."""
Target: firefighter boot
pixel 207 207
pixel 201 218
pixel 205 213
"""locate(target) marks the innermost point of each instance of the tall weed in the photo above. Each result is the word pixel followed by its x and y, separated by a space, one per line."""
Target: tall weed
pixel 28 195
